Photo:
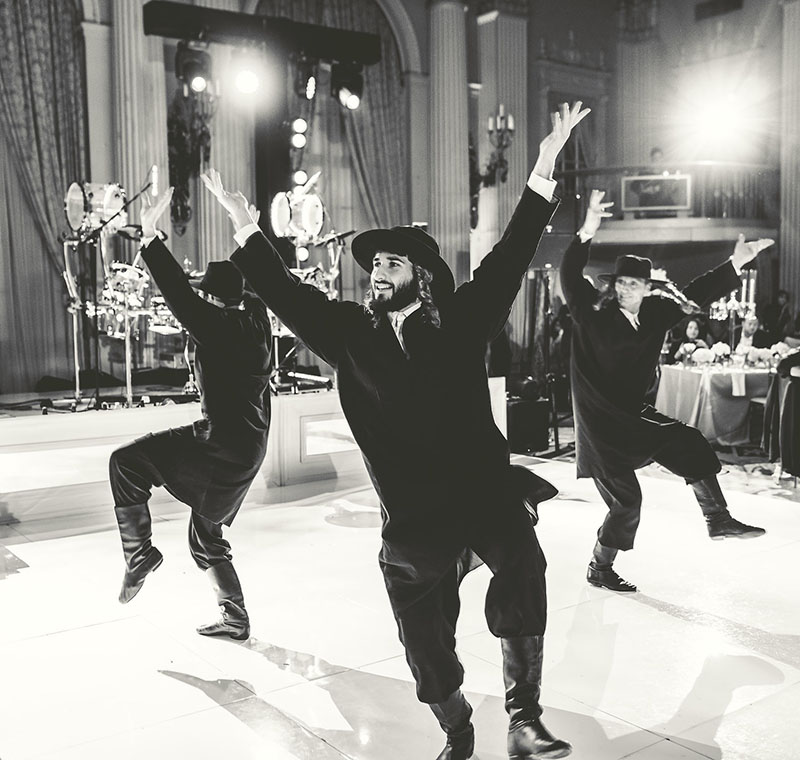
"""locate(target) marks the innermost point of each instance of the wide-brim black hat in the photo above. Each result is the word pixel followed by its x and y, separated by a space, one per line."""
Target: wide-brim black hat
pixel 632 266
pixel 222 280
pixel 414 243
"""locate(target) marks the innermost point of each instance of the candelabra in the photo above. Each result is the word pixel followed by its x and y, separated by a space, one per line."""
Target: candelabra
pixel 740 303
pixel 500 129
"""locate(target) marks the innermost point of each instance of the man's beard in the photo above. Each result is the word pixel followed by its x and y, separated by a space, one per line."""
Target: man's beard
pixel 403 296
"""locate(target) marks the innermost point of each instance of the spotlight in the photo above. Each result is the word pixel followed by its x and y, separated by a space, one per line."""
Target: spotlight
pixel 299 126
pixel 347 84
pixel 193 66
pixel 300 177
pixel 298 140
pixel 246 81
pixel 305 79
pixel 302 253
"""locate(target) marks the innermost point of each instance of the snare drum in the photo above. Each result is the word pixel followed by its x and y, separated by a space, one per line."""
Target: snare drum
pixel 162 321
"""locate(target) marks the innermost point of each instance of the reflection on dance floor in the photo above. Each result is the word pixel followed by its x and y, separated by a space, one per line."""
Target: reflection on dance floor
pixel 703 663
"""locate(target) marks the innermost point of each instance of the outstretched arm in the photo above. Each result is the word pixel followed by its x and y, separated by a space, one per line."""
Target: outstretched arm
pixel 488 298
pixel 579 293
pixel 197 316
pixel 307 311
pixel 723 279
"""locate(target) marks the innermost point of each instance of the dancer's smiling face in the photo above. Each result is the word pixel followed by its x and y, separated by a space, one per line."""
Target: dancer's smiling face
pixel 392 281
pixel 631 292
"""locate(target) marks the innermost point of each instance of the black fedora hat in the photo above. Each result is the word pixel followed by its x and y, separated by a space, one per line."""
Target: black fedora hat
pixel 632 266
pixel 414 243
pixel 222 280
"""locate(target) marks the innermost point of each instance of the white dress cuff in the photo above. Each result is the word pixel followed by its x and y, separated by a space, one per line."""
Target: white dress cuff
pixel 738 270
pixel 147 240
pixel 542 186
pixel 243 235
pixel 584 236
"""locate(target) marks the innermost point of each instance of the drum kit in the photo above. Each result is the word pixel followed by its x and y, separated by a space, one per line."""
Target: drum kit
pixel 94 213
pixel 299 215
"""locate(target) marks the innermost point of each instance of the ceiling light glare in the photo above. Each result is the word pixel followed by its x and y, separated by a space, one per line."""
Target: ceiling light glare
pixel 298 140
pixel 247 81
pixel 300 177
pixel 299 126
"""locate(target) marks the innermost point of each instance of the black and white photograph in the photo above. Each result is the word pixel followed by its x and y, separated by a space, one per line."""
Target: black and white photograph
pixel 399 379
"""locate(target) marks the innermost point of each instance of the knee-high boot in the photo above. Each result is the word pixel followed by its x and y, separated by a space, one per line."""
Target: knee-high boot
pixel 454 717
pixel 141 557
pixel 528 739
pixel 715 509
pixel 235 621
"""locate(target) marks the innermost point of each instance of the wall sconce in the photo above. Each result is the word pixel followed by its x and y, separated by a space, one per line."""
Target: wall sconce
pixel 500 128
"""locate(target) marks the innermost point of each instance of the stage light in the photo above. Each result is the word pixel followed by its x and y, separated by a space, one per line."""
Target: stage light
pixel 298 140
pixel 305 78
pixel 199 83
pixel 299 126
pixel 347 84
pixel 300 177
pixel 193 66
pixel 302 253
pixel 247 81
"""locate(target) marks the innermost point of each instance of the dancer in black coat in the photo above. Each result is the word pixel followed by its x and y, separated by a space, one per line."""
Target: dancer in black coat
pixel 413 387
pixel 616 344
pixel 210 464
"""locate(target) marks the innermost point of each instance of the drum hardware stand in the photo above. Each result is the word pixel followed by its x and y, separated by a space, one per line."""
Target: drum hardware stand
pixel 549 376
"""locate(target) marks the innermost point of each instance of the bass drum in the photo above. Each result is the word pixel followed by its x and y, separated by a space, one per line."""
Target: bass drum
pixel 76 207
pixel 89 205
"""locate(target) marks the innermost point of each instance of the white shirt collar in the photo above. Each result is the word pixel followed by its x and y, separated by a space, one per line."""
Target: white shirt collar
pixel 397 318
pixel 631 317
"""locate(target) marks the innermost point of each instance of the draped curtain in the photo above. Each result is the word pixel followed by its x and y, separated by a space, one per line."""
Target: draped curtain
pixel 43 150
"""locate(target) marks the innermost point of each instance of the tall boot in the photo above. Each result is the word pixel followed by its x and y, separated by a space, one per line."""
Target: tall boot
pixel 528 739
pixel 600 572
pixel 141 557
pixel 454 717
pixel 235 621
pixel 715 509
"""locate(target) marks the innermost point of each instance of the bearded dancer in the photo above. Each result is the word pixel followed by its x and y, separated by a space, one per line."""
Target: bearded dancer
pixel 413 387
pixel 210 464
pixel 616 343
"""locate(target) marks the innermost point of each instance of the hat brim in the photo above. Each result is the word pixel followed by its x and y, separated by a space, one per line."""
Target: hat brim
pixel 367 244
pixel 609 278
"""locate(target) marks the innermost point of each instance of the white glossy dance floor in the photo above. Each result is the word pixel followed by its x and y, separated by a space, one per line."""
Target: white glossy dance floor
pixel 704 662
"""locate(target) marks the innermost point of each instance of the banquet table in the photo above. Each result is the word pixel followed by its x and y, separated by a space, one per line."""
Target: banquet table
pixel 714 399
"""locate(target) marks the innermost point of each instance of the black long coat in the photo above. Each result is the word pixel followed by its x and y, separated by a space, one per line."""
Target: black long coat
pixel 423 422
pixel 211 467
pixel 613 366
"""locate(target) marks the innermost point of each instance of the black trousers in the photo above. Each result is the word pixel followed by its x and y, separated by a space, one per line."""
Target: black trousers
pixel 684 448
pixel 133 473
pixel 516 603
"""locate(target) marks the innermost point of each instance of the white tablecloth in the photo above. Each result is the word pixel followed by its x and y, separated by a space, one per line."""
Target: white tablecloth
pixel 715 400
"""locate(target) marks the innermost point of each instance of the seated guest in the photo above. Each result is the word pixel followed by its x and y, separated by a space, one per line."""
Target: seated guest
pixel 750 335
pixel 777 317
pixel 689 339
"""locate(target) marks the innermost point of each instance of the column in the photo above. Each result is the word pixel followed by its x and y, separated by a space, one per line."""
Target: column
pixel 140 102
pixel 637 106
pixel 449 131
pixel 99 82
pixel 418 88
pixel 789 259
pixel 503 58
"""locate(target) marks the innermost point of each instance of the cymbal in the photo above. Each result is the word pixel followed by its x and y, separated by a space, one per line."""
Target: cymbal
pixel 334 236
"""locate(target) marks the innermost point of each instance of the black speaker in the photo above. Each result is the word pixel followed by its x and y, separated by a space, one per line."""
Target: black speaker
pixel 528 425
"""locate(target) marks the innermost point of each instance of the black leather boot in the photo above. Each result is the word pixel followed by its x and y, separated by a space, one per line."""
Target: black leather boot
pixel 454 717
pixel 719 522
pixel 601 574
pixel 235 621
pixel 141 557
pixel 528 739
